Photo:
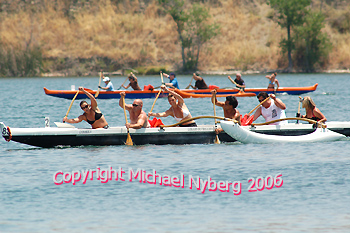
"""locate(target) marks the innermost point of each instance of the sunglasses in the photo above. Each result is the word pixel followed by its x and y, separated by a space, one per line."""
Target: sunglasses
pixel 86 106
pixel 261 100
pixel 135 105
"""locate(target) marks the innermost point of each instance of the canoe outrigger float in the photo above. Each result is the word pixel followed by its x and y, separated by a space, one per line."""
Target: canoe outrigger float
pixel 67 135
pixel 202 93
pixel 244 135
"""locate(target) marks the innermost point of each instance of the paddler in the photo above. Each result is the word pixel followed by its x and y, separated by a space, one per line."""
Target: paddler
pixel 271 109
pixel 132 83
pixel 312 112
pixel 229 107
pixel 91 115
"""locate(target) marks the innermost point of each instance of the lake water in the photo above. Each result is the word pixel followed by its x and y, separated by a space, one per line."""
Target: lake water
pixel 314 195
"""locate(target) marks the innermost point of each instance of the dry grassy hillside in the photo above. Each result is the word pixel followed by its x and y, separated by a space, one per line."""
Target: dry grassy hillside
pixel 131 34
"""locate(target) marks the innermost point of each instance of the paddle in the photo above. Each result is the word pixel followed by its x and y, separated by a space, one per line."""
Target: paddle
pixel 128 138
pixel 189 85
pixel 298 114
pixel 217 141
pixel 123 83
pixel 161 76
pixel 71 104
pixel 99 84
pixel 233 81
pixel 247 121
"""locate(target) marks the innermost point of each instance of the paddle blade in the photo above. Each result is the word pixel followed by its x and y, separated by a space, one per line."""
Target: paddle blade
pixel 129 140
pixel 217 141
pixel 244 119
pixel 250 120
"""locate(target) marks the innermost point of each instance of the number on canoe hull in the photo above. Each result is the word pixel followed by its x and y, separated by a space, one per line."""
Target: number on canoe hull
pixel 4 132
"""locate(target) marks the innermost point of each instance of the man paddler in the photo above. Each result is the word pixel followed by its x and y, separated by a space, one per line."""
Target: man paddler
pixel 229 107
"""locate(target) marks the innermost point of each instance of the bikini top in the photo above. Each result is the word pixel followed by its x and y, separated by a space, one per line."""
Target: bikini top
pixel 315 118
pixel 271 82
pixel 98 116
pixel 185 113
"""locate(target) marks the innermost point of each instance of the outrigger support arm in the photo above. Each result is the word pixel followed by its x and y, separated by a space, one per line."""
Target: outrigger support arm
pixel 198 117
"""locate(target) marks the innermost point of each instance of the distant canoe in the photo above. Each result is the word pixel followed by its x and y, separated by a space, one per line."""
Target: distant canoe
pixel 195 95
pixel 201 93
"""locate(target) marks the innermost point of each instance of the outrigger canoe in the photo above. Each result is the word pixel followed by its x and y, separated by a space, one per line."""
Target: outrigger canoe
pixel 202 93
pixel 67 135
pixel 245 135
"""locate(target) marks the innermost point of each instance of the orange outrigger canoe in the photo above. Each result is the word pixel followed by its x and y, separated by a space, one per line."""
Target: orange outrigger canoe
pixel 186 93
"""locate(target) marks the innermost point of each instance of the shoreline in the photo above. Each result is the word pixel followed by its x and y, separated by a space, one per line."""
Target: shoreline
pixel 205 72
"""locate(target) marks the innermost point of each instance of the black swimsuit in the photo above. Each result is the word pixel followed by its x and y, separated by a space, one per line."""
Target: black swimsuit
pixel 98 116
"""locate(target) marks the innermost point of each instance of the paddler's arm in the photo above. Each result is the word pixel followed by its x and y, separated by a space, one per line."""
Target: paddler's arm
pixel 75 120
pixel 217 103
pixel 257 114
pixel 126 87
pixel 177 96
pixel 140 122
pixel 237 117
pixel 163 114
pixel 278 102
pixel 122 96
pixel 320 115
pixel 91 97
pixel 278 84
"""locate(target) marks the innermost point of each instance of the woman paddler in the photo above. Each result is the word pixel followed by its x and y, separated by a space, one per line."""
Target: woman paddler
pixel 312 112
pixel 178 109
pixel 91 115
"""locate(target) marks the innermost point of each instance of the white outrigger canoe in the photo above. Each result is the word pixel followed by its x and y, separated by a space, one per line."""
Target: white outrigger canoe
pixel 67 135
pixel 247 135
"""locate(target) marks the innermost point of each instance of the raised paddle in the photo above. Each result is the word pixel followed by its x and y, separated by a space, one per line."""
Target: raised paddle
pixel 247 121
pixel 99 84
pixel 154 102
pixel 71 104
pixel 161 76
pixel 298 114
pixel 217 141
pixel 189 85
pixel 123 83
pixel 128 138
pixel 233 81
pixel 156 99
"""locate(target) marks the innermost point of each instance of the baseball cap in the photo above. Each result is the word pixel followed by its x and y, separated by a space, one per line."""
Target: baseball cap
pixel 105 79
pixel 172 73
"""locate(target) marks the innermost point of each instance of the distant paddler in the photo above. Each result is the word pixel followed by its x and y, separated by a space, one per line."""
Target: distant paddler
pixel 273 81
pixel 108 84
pixel 200 83
pixel 91 115
pixel 173 81
pixel 239 82
pixel 132 83
pixel 229 107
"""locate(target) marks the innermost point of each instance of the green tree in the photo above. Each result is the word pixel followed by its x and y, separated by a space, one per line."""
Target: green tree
pixel 313 46
pixel 193 27
pixel 289 14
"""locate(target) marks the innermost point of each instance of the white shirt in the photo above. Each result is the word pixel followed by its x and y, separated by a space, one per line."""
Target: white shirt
pixel 273 113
